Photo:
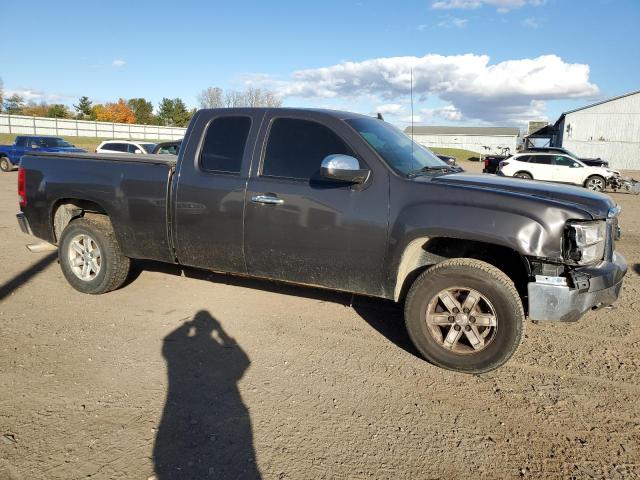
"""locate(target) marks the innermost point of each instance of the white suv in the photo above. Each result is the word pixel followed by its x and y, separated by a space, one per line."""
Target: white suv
pixel 555 168
pixel 125 146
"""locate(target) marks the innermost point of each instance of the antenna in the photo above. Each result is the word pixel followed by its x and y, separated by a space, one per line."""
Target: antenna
pixel 411 112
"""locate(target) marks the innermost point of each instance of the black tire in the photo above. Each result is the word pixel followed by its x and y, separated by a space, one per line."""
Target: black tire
pixel 5 164
pixel 113 268
pixel 523 175
pixel 595 183
pixel 491 283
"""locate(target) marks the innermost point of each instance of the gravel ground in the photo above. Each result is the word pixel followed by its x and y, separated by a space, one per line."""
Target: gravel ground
pixel 237 378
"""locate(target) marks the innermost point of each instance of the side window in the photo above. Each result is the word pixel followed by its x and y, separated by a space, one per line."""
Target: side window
pixel 132 148
pixel 563 161
pixel 524 158
pixel 224 143
pixel 116 147
pixel 541 159
pixel 21 141
pixel 296 148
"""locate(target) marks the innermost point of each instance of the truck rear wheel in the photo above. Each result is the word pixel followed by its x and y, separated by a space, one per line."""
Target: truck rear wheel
pixel 90 256
pixel 465 315
pixel 5 164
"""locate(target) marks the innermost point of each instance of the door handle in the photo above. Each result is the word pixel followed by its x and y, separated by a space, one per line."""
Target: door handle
pixel 267 200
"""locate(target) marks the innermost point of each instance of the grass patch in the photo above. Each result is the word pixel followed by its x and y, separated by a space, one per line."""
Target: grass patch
pixel 459 153
pixel 88 143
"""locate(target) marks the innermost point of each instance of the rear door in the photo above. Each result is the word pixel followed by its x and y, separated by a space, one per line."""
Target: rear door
pixel 18 149
pixel 542 167
pixel 208 201
pixel 302 228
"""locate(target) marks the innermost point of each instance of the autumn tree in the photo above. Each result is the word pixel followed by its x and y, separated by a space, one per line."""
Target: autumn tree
pixel 173 112
pixel 118 112
pixel 35 109
pixel 83 108
pixel 142 109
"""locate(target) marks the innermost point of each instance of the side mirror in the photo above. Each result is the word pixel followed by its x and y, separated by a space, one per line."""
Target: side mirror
pixel 343 168
pixel 137 150
pixel 34 145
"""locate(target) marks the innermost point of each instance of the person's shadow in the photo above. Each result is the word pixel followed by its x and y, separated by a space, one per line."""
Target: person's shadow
pixel 205 431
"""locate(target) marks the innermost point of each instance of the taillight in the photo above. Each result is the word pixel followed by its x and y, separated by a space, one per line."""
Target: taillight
pixel 22 191
pixel 486 163
pixel 503 164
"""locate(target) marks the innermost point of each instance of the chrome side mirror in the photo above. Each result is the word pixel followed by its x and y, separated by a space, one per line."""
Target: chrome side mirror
pixel 343 168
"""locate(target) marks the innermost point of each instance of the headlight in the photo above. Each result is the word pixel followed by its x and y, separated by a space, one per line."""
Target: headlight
pixel 585 242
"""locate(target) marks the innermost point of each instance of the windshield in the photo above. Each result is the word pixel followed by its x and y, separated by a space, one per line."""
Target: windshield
pixel 400 152
pixel 148 146
pixel 50 142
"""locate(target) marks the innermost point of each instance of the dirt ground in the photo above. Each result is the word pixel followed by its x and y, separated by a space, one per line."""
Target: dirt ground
pixel 236 378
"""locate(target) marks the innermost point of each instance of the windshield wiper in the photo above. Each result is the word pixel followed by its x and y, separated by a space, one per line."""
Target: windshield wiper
pixel 429 169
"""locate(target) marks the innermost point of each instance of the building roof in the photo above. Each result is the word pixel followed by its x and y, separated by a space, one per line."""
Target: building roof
pixel 601 102
pixel 448 130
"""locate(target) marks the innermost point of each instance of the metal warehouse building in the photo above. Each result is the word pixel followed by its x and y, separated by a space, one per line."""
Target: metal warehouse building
pixel 609 130
pixel 467 138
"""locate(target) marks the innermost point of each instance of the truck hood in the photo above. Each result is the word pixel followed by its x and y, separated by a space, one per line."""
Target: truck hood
pixel 595 204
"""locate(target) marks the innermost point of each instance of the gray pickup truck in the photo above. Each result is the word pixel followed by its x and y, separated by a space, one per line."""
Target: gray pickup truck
pixel 339 201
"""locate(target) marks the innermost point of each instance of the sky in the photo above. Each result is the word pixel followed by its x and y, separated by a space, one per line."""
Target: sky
pixel 468 62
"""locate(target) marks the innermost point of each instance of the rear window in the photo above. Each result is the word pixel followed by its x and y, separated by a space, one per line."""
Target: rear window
pixel 296 148
pixel 224 144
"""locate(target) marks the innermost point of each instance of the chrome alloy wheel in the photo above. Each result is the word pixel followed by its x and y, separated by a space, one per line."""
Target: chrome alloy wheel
pixel 461 320
pixel 596 184
pixel 85 259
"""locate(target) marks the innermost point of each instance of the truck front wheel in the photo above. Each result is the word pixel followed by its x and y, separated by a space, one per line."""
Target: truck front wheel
pixel 90 256
pixel 465 315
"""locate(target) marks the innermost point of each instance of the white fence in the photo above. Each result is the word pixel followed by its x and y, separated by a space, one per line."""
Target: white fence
pixel 23 125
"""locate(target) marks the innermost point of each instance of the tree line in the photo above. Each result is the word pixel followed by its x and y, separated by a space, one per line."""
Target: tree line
pixel 169 112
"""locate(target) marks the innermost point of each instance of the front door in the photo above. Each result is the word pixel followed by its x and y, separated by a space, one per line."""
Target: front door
pixel 302 228
pixel 209 198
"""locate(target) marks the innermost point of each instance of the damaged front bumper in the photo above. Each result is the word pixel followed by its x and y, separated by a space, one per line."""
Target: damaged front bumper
pixel 552 298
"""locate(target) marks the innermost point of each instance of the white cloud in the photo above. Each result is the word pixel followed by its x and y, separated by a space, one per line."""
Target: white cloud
pixel 448 112
pixel 453 22
pixel 532 22
pixel 502 6
pixel 507 91
pixel 34 95
pixel 118 63
pixel 389 109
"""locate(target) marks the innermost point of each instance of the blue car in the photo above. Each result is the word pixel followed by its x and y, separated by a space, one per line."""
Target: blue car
pixel 10 154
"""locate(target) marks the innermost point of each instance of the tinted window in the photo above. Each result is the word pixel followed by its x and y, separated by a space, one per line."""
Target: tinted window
pixel 296 148
pixel 21 141
pixel 115 147
pixel 224 144
pixel 523 158
pixel 563 161
pixel 541 159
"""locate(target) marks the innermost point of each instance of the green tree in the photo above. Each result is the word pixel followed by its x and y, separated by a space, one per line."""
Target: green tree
pixel 84 108
pixel 173 112
pixel 58 110
pixel 143 110
pixel 14 104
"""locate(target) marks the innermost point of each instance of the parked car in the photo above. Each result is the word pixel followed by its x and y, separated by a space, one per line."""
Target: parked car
pixel 10 154
pixel 340 201
pixel 170 148
pixel 492 162
pixel 591 162
pixel 556 168
pixel 125 146
pixel 448 159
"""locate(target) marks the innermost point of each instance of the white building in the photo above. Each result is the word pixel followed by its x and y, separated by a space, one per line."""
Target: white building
pixel 609 130
pixel 482 140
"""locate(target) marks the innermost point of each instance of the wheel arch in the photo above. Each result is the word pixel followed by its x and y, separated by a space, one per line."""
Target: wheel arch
pixel 425 252
pixel 64 210
pixel 523 171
